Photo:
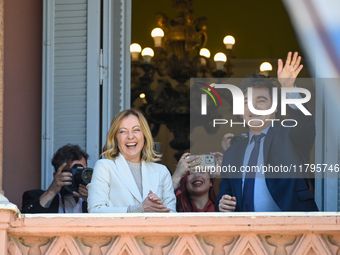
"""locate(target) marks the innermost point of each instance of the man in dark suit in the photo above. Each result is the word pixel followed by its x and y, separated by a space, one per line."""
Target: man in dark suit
pixel 56 199
pixel 275 146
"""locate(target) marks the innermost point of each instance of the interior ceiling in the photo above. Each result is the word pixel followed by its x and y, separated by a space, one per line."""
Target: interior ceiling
pixel 262 29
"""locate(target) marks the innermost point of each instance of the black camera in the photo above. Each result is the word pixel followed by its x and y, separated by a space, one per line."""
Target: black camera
pixel 80 175
pixel 157 147
pixel 238 138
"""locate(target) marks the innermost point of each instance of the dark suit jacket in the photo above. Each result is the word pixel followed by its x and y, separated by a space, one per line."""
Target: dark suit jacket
pixel 286 146
pixel 31 203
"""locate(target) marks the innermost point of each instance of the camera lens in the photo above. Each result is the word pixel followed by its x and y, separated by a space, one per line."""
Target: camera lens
pixel 86 175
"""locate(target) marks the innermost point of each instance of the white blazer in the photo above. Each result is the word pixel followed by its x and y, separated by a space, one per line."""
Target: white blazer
pixel 113 188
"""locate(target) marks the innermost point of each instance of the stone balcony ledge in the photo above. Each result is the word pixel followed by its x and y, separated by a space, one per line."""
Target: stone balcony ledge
pixel 176 233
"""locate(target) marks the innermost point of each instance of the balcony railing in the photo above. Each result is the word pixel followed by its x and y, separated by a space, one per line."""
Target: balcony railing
pixel 181 233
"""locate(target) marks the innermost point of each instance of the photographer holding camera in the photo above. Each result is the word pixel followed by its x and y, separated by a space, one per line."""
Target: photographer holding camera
pixel 66 194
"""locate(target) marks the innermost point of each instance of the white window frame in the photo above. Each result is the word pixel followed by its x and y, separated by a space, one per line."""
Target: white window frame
pixel 92 116
pixel 116 60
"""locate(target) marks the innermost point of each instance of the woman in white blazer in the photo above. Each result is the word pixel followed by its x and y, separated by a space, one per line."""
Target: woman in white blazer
pixel 128 180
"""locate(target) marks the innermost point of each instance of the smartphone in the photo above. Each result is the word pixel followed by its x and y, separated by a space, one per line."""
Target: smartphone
pixel 204 162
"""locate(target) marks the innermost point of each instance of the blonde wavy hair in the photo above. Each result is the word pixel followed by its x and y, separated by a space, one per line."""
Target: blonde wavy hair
pixel 111 150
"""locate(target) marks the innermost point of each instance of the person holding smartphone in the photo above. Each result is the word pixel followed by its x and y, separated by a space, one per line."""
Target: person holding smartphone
pixel 195 190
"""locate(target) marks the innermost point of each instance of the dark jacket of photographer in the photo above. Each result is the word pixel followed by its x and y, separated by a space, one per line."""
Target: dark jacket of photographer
pixel 31 203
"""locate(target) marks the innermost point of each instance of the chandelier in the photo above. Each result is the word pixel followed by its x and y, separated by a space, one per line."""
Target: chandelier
pixel 160 75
